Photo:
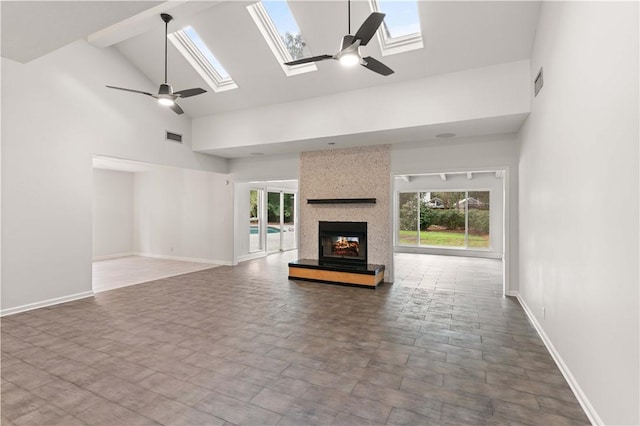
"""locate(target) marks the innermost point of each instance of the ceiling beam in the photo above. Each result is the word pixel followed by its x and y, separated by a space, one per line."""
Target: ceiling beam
pixel 145 21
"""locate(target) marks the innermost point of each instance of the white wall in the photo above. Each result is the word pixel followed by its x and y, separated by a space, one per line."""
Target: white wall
pixel 112 213
pixel 183 214
pixel 56 113
pixel 496 152
pixel 494 91
pixel 460 182
pixel 265 168
pixel 579 201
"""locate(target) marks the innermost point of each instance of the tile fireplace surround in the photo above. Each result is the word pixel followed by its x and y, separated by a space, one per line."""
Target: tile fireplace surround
pixel 347 173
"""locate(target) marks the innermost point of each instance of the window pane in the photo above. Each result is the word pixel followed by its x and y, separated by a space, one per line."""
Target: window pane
pixel 287 27
pixel 273 221
pixel 479 219
pixel 402 17
pixel 255 243
pixel 202 47
pixel 408 218
pixel 289 235
pixel 443 220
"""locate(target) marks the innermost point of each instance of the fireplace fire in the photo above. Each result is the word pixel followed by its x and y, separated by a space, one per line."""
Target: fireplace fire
pixel 343 243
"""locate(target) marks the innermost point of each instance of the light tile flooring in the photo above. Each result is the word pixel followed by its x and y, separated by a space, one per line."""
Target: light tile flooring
pixel 244 345
pixel 124 271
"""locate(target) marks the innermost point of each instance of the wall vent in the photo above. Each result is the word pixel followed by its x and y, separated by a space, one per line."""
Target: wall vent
pixel 538 82
pixel 173 137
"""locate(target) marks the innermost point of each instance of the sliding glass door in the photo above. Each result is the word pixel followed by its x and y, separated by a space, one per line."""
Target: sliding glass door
pixel 289 240
pixel 281 213
pixel 256 203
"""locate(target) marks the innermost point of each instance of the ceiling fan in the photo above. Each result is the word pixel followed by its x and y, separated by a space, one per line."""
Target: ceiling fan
pixel 166 95
pixel 349 54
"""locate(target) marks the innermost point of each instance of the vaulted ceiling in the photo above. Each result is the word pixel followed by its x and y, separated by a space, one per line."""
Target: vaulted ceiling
pixel 457 36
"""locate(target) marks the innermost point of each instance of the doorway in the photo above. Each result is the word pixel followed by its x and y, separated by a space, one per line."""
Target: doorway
pixel 457 213
pixel 281 221
pixel 273 218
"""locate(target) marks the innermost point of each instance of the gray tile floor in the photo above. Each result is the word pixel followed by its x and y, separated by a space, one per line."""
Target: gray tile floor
pixel 243 345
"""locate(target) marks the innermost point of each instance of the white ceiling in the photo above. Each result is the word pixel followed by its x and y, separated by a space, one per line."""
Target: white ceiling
pixel 457 35
pixel 31 29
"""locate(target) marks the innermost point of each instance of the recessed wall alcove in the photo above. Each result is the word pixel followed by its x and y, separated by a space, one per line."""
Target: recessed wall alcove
pixel 351 173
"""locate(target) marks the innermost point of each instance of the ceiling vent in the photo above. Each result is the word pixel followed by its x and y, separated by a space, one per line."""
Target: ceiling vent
pixel 173 137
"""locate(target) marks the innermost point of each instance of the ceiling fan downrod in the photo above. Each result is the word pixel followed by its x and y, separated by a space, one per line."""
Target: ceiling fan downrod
pixel 166 18
pixel 348 16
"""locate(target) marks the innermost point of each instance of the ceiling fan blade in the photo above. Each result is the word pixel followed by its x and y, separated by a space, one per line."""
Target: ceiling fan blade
pixel 376 66
pixel 131 90
pixel 309 59
pixel 369 28
pixel 189 92
pixel 176 108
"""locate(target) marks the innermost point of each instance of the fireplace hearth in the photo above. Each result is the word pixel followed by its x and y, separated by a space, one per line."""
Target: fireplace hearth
pixel 342 257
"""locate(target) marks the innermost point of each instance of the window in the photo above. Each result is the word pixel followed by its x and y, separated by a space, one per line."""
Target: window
pixel 280 30
pixel 196 52
pixel 444 219
pixel 400 30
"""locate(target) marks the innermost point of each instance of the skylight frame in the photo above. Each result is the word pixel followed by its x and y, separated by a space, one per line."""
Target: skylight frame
pixel 200 63
pixel 272 36
pixel 395 45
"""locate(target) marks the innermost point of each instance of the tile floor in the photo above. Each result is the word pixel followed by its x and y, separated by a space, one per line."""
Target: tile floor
pixel 129 270
pixel 243 345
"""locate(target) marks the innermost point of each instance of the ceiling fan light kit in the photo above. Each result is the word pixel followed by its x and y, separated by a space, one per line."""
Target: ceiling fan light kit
pixel 349 54
pixel 166 96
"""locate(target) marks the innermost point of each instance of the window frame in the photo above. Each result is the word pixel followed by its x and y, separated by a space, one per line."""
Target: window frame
pixel 395 45
pixel 272 36
pixel 185 45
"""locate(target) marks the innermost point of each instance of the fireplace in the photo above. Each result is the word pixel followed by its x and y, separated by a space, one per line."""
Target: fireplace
pixel 342 243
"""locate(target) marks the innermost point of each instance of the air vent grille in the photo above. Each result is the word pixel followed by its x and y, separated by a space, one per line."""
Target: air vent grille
pixel 174 137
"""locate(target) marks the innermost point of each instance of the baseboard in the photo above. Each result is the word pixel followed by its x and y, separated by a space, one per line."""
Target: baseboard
pixel 251 256
pixel 45 303
pixel 112 256
pixel 186 259
pixel 591 413
pixel 449 251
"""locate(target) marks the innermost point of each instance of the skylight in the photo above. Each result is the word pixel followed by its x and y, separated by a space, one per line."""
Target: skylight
pixel 196 52
pixel 400 30
pixel 280 30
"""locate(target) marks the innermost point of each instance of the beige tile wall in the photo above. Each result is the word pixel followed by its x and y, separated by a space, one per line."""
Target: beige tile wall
pixel 347 173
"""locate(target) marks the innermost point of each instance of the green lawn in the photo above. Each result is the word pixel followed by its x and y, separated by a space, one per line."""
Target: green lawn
pixel 443 238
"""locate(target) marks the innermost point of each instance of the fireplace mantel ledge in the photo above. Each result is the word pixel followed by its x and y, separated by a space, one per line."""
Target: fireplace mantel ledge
pixel 341 201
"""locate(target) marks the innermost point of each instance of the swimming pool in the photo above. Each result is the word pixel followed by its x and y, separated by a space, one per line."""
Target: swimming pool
pixel 270 230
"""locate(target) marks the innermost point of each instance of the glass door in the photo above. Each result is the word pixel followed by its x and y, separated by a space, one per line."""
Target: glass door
pixel 256 201
pixel 289 239
pixel 281 222
pixel 274 221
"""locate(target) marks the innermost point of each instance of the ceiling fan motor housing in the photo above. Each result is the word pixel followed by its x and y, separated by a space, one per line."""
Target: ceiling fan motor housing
pixel 346 41
pixel 165 89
